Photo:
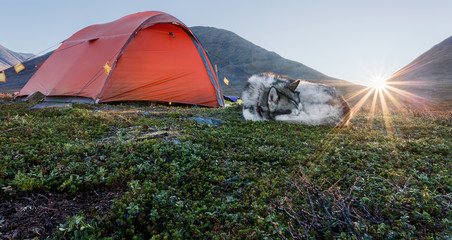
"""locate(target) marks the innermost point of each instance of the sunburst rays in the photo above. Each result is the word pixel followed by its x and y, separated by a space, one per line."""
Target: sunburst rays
pixel 388 98
pixel 383 101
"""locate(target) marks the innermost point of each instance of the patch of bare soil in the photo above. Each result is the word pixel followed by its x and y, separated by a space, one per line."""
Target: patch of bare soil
pixel 37 215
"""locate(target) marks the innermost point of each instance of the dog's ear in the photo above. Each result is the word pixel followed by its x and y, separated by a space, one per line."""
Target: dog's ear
pixel 272 99
pixel 293 85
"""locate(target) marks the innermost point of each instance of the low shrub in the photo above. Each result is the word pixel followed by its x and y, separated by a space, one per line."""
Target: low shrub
pixel 258 180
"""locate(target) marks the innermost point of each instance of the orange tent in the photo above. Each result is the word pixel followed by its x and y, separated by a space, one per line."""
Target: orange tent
pixel 152 55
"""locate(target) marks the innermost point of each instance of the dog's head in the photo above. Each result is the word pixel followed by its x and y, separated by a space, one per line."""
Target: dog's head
pixel 280 99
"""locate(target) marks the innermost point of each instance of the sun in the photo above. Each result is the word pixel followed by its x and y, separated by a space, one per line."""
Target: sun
pixel 378 82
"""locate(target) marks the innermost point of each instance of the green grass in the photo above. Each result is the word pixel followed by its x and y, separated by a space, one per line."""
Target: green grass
pixel 176 179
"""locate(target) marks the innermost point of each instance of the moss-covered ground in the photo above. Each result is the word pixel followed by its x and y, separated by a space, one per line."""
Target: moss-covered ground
pixel 148 172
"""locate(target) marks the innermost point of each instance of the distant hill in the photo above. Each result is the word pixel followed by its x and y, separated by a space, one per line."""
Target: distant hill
pixel 15 81
pixel 9 58
pixel 429 75
pixel 236 59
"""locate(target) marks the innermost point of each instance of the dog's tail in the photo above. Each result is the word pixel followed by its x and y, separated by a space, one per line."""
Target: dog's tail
pixel 346 111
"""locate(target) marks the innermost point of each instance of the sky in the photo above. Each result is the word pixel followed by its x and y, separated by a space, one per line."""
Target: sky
pixel 353 40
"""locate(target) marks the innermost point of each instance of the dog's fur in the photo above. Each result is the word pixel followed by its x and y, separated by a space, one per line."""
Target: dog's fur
pixel 269 96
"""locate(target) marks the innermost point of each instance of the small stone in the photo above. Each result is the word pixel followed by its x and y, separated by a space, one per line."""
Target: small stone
pixel 207 120
pixel 35 97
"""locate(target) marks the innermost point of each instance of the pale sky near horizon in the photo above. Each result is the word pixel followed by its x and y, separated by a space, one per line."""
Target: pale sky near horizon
pixel 348 39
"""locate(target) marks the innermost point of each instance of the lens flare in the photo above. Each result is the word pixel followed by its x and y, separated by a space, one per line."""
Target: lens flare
pixel 384 102
pixel 378 82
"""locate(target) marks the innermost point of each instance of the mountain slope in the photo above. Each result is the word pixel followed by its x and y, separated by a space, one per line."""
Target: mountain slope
pixel 9 58
pixel 237 59
pixel 429 75
pixel 15 81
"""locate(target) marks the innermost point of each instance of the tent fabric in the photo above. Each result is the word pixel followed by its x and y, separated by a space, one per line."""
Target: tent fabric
pixel 153 57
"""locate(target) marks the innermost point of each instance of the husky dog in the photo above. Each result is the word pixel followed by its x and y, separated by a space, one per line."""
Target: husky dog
pixel 269 96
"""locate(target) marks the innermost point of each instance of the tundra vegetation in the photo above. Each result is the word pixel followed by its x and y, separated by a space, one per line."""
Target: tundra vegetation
pixel 134 171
